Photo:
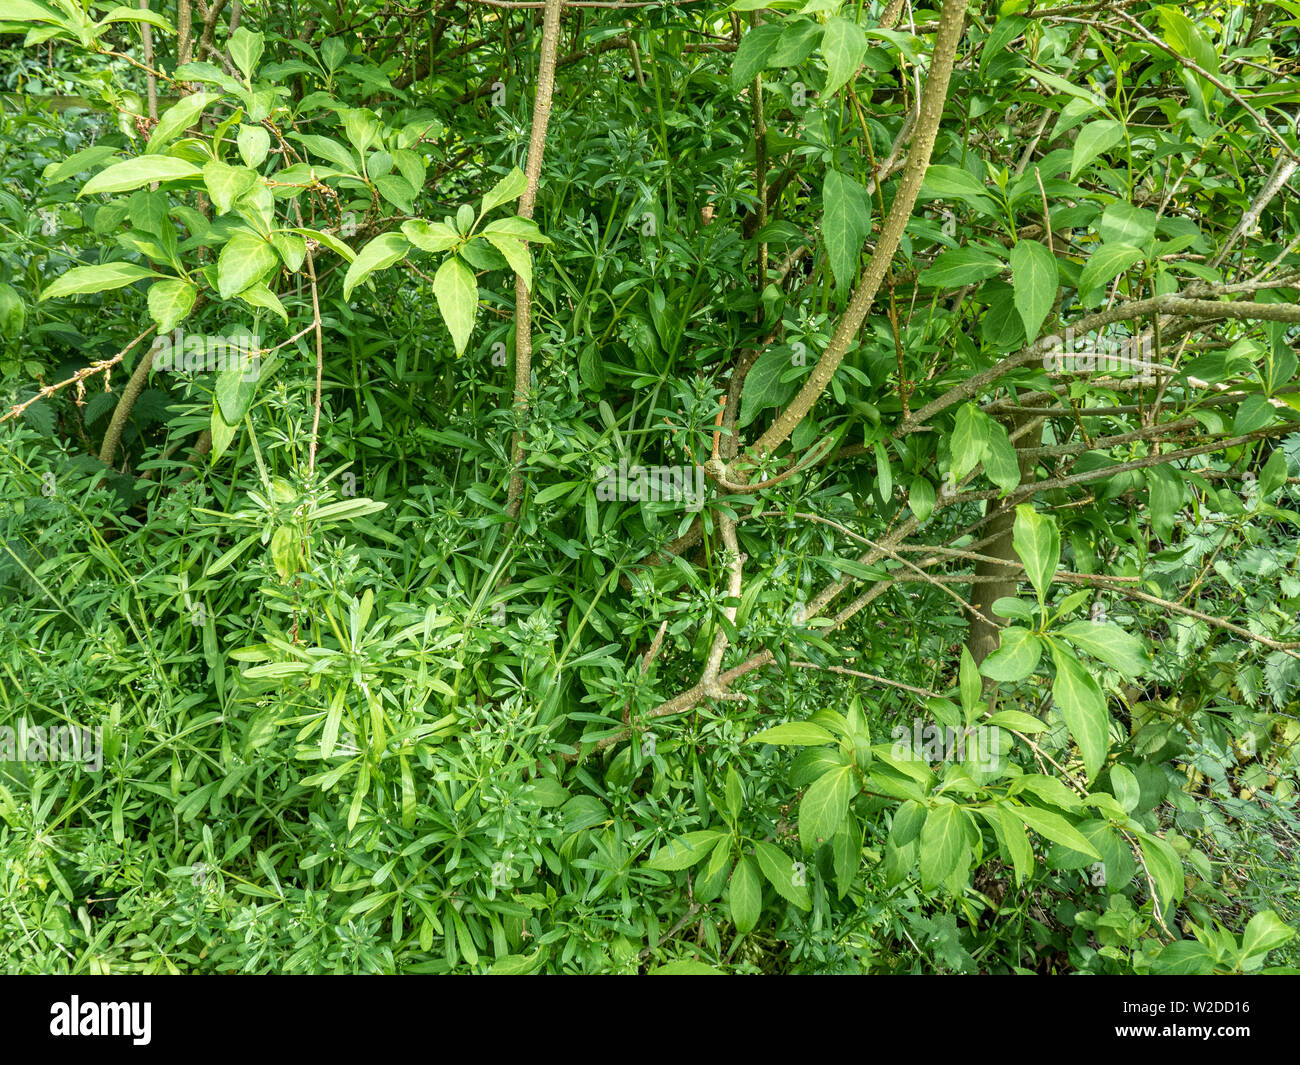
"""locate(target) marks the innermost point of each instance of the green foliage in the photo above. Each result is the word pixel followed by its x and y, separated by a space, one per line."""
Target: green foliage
pixel 355 712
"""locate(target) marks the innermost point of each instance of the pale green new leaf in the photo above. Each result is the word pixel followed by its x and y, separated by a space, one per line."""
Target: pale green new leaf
pixel 457 293
pixel 843 47
pixel 169 302
pixel 1083 706
pixel 1016 657
pixel 379 254
pixel 824 805
pixel 1038 543
pixel 943 838
pixel 245 259
pixel 516 254
pixel 176 119
pixel 82 279
pixel 510 187
pixel 132 173
pixel 969 439
pixel 685 851
pixel 793 734
pixel 1034 278
pixel 430 236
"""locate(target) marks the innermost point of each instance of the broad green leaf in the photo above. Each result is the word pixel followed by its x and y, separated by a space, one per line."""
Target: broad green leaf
pixel 285 551
pixel 1266 931
pixel 379 254
pixel 685 851
pixel 1034 278
pixel 1254 413
pixel 961 266
pixel 969 439
pixel 752 55
pixel 259 295
pixel 132 173
pixel 245 259
pixel 516 254
pixel 957 185
pixel 1117 648
pixel 246 50
pixel 329 241
pixel 793 734
pixel 519 228
pixel 226 183
pixel 82 279
pixel 1083 706
pixel 943 839
pixel 457 293
pixel 291 248
pixel 334 716
pixel 169 302
pixel 969 682
pixel 846 225
pixel 1007 606
pixel 1016 657
pixel 1165 867
pixel 824 805
pixel 1122 223
pixel 746 896
pixel 1105 264
pixel 78 163
pixel 13 313
pixel 1273 475
pixel 1056 828
pixel 1017 720
pixel 1187 39
pixel 921 498
pixel 397 191
pixel 1125 787
pixel 1165 493
pixel 1184 957
pixel 999 456
pixel 1049 789
pixel 734 793
pixel 1017 841
pixel 763 385
pixel 430 236
pixel 510 187
pixel 1093 139
pixel 781 872
pixel 26 11
pixel 522 964
pixel 330 149
pixel 799 39
pixel 1038 543
pixel 177 119
pixel 254 143
pixel 843 47
pixel 129 14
